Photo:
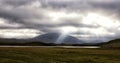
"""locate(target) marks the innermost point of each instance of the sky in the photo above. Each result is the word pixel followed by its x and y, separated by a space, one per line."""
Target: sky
pixel 87 20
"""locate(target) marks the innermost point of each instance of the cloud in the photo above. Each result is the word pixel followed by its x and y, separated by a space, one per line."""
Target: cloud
pixel 5 23
pixel 19 33
pixel 94 20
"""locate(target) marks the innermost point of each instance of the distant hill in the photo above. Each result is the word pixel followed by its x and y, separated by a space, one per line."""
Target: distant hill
pixel 26 44
pixel 22 42
pixel 112 44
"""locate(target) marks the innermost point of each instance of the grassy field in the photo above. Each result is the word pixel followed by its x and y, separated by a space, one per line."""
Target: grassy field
pixel 58 55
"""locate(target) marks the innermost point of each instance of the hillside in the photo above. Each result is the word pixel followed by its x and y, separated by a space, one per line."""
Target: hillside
pixel 112 44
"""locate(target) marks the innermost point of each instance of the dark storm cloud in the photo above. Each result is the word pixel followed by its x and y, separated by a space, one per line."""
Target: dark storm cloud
pixel 15 2
pixel 49 15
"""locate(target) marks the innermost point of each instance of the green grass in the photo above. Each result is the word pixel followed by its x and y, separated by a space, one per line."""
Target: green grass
pixel 58 55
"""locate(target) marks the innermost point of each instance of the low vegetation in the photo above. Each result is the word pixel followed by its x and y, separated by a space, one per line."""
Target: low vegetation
pixel 108 53
pixel 58 55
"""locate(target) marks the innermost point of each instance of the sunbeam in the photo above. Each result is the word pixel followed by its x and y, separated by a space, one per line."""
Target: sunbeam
pixel 64 32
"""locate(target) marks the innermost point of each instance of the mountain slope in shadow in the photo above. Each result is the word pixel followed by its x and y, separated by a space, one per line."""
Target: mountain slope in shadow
pixel 112 44
pixel 53 37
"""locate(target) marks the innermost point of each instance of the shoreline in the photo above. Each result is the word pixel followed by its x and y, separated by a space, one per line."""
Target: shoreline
pixel 57 46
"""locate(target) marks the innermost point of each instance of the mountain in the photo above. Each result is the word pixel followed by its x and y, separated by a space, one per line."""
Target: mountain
pixel 53 37
pixel 48 39
pixel 112 44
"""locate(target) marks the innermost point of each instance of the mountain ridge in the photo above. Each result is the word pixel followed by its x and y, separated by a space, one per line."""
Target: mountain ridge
pixel 53 37
pixel 111 44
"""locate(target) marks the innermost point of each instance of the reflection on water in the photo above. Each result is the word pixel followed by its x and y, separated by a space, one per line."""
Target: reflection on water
pixel 57 46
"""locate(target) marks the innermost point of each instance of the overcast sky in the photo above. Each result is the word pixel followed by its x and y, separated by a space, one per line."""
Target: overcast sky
pixel 88 20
